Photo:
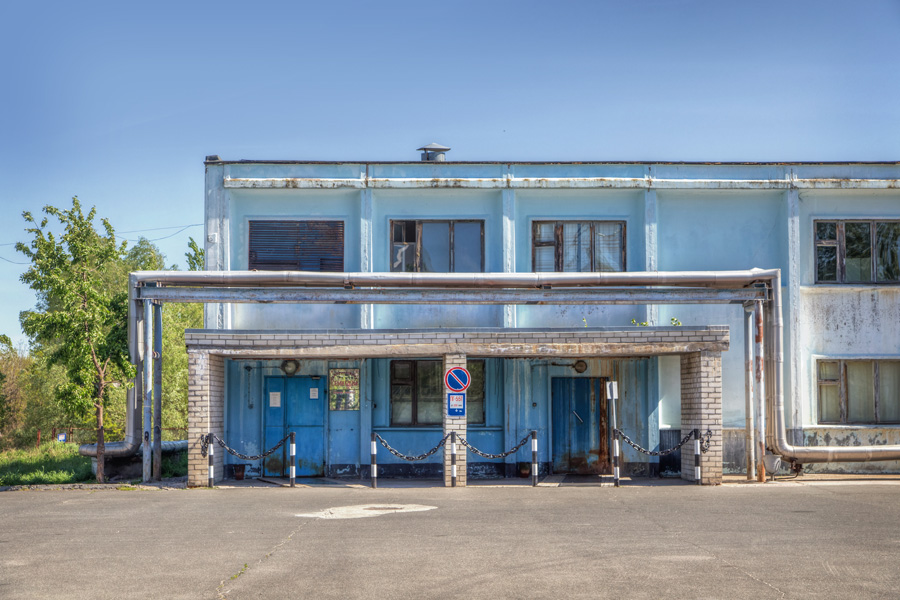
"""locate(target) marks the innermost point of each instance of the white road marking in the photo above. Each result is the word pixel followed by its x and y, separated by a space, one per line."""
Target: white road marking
pixel 360 511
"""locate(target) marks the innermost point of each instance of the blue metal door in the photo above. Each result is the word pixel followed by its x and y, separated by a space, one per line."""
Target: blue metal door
pixel 580 442
pixel 295 404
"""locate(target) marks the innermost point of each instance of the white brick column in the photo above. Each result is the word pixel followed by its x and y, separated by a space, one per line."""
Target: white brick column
pixel 206 412
pixel 701 408
pixel 457 424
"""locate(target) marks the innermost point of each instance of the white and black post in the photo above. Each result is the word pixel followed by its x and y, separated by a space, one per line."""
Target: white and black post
pixel 453 459
pixel 373 463
pixel 697 456
pixel 612 394
pixel 293 457
pixel 534 462
pixel 210 451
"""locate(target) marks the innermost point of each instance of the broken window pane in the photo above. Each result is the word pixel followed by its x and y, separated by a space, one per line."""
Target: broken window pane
pixel 887 251
pixel 467 247
pixel 545 232
pixel 826 263
pixel 860 392
pixel 826 230
pixel 608 247
pixel 829 403
pixel 403 248
pixel 435 245
pixel 888 392
pixel 858 258
pixel 576 247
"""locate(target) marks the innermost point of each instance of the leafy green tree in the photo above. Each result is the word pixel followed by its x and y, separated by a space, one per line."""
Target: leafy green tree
pixel 79 317
pixel 196 256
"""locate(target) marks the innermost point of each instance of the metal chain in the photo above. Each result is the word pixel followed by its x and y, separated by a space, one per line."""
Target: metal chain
pixel 628 441
pixel 399 454
pixel 463 441
pixel 204 445
pixel 704 446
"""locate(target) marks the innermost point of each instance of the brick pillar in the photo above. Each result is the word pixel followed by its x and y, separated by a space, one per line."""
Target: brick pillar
pixel 701 408
pixel 206 412
pixel 457 424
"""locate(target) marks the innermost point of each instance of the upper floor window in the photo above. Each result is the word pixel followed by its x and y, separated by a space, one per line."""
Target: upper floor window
pixel 296 246
pixel 859 391
pixel 857 251
pixel 575 246
pixel 437 246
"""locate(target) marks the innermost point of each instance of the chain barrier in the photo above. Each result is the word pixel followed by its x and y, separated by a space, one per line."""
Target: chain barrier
pixel 399 454
pixel 524 441
pixel 704 446
pixel 204 447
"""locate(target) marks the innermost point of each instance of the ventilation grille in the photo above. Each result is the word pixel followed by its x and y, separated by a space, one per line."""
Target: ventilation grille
pixel 297 245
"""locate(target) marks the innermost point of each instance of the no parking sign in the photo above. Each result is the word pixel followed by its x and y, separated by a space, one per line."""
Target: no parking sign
pixel 458 380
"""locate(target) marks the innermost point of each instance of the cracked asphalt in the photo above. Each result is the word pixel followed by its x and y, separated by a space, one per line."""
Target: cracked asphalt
pixel 781 540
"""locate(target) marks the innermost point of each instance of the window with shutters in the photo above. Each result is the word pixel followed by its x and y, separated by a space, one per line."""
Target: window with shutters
pixel 296 246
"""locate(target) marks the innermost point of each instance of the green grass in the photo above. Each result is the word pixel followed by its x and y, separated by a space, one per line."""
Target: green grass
pixel 51 463
pixel 174 465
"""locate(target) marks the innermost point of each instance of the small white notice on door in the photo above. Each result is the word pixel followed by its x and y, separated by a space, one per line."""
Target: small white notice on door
pixel 313 393
pixel 274 399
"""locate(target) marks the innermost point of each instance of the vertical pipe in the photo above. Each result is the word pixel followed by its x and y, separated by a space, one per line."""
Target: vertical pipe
pixel 148 386
pixel 697 473
pixel 759 364
pixel 373 464
pixel 212 450
pixel 534 462
pixel 39 439
pixel 612 393
pixel 453 459
pixel 293 458
pixel 749 446
pixel 157 391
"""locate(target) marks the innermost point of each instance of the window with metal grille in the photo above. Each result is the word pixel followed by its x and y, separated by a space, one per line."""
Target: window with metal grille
pixel 437 246
pixel 859 391
pixel 296 246
pixel 578 246
pixel 417 392
pixel 857 251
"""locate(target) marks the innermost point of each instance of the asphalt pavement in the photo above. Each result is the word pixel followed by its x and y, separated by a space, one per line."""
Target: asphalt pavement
pixel 810 539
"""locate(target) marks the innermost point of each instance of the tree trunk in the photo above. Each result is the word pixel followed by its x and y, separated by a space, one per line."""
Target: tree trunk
pixel 101 448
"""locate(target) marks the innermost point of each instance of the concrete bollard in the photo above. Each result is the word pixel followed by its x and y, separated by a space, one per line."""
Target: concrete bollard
pixel 534 460
pixel 373 463
pixel 293 458
pixel 697 456
pixel 209 453
pixel 453 459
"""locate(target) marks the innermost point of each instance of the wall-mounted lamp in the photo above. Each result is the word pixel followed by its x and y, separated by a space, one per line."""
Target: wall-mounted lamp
pixel 580 366
pixel 290 367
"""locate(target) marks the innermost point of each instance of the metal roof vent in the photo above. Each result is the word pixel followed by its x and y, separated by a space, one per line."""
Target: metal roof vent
pixel 433 153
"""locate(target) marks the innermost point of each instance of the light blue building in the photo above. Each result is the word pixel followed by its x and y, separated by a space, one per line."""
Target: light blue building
pixel 344 363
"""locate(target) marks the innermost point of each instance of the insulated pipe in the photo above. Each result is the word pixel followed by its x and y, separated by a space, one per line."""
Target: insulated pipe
pixel 761 416
pixel 749 448
pixel 157 392
pixel 464 280
pixel 148 384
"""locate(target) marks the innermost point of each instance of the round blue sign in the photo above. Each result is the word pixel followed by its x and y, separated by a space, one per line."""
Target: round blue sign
pixel 457 379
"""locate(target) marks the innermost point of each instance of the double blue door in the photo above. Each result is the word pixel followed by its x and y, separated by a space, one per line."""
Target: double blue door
pixel 580 434
pixel 295 404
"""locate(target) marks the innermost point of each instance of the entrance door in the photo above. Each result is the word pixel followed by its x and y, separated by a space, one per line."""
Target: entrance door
pixel 295 404
pixel 580 442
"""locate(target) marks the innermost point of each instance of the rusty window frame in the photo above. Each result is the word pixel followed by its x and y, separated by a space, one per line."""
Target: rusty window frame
pixel 843 385
pixel 295 245
pixel 417 263
pixel 412 381
pixel 840 245
pixel 558 242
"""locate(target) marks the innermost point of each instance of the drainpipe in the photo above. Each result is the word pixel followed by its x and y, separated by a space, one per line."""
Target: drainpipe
pixel 749 446
pixel 148 384
pixel 761 420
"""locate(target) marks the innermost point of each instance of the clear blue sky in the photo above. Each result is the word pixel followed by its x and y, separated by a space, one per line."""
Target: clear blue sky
pixel 119 102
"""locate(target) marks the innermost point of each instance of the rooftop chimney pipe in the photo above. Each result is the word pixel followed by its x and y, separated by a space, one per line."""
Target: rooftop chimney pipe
pixel 433 153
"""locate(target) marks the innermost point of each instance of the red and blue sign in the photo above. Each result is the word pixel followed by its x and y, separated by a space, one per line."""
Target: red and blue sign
pixel 457 379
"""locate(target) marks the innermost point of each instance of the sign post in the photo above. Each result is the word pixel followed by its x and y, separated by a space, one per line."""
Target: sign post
pixel 457 380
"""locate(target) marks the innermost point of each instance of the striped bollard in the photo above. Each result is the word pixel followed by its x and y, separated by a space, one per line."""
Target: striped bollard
pixel 697 456
pixel 453 459
pixel 210 452
pixel 534 464
pixel 616 458
pixel 293 458
pixel 373 464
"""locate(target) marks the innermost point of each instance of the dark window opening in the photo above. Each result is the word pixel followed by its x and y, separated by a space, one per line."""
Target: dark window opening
pixel 296 246
pixel 859 391
pixel 417 392
pixel 857 251
pixel 437 246
pixel 578 246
